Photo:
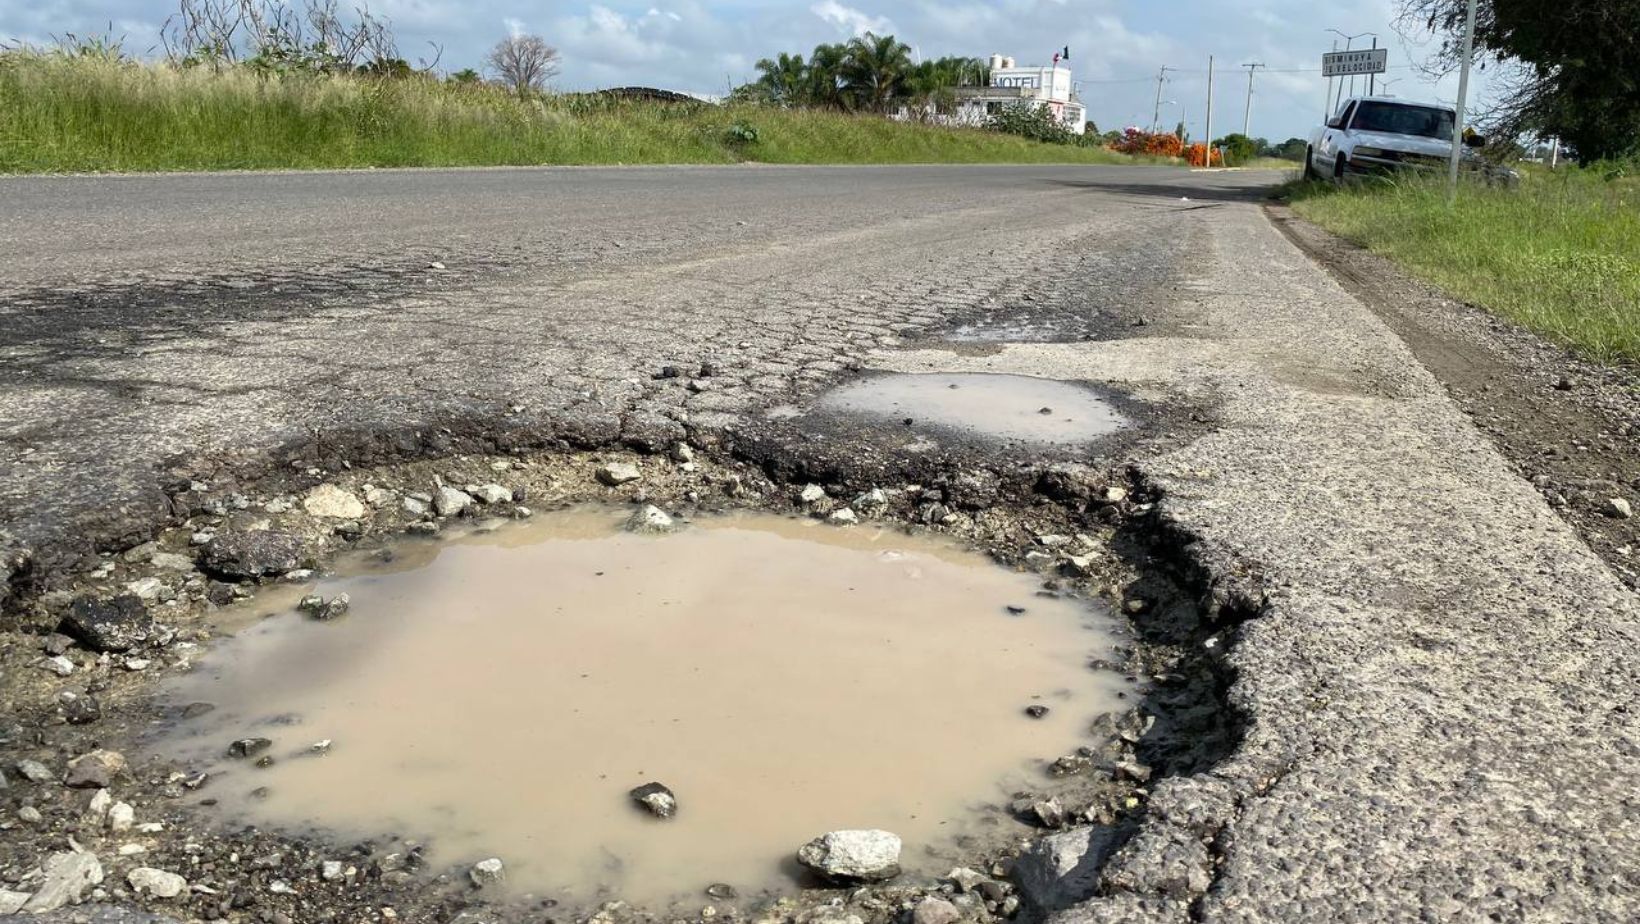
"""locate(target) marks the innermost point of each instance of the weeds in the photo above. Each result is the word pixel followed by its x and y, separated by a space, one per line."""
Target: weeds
pixel 1559 253
pixel 85 113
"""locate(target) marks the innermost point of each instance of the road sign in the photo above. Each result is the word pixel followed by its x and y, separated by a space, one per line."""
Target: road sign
pixel 1346 63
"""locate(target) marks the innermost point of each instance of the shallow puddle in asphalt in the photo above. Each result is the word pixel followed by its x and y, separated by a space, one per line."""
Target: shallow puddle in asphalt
pixel 1010 407
pixel 499 694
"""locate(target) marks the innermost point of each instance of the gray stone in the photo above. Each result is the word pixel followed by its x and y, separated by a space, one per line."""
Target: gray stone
pixel 491 494
pixel 67 878
pixel 843 517
pixel 1617 508
pixel 145 880
pixel 59 665
pixel 618 473
pixel 650 519
pixel 853 856
pixel 102 914
pixel 331 502
pixel 118 624
pixel 34 771
pixel 811 494
pixel 965 879
pixel 656 799
pixel 1062 869
pixel 872 499
pixel 172 561
pixel 449 502
pixel 248 747
pixel 94 770
pixel 488 871
pixel 933 910
pixel 251 555
pixel 12 902
pixel 30 815
pixel 324 609
pixel 121 816
pixel 414 506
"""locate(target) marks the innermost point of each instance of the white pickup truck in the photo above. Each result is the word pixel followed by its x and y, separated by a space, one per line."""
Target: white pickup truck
pixel 1372 134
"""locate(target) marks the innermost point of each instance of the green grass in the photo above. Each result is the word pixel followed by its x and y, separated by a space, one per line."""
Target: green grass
pixel 1559 253
pixel 82 114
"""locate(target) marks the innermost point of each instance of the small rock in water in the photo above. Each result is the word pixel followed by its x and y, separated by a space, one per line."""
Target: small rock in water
pixel 331 502
pixel 618 473
pixel 853 856
pixel 722 891
pixel 1015 610
pixel 650 519
pixel 1036 710
pixel 485 872
pixel 657 799
pixel 843 517
pixel 1044 411
pixel 156 882
pixel 320 608
pixel 81 709
pixel 248 747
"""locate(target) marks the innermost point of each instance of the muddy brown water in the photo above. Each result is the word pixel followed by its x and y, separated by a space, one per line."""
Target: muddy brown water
pixel 499 693
pixel 1009 407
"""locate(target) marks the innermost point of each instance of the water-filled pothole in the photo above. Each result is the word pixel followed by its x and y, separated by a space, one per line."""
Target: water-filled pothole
pixel 500 693
pixel 1008 407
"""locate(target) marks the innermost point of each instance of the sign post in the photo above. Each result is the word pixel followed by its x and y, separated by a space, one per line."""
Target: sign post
pixel 1463 97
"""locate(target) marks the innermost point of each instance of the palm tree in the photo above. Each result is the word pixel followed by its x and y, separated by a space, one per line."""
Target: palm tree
pixel 875 69
pixel 826 75
pixel 785 79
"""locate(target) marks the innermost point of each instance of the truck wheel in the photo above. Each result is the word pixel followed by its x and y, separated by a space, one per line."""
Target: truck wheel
pixel 1341 167
pixel 1309 164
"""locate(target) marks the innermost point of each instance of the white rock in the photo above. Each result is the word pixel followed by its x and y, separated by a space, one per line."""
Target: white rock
pixel 30 815
pixel 34 771
pixel 485 872
pixel 150 827
pixel 449 502
pixel 378 497
pixel 853 856
pixel 682 452
pixel 100 802
pixel 811 494
pixel 330 870
pixel 132 850
pixel 67 878
pixel 650 519
pixel 491 494
pixel 414 506
pixel 156 882
pixel 12 902
pixel 135 664
pixel 843 517
pixel 332 502
pixel 121 817
pixel 1618 509
pixel 59 665
pixel 617 473
pixel 277 505
pixel 172 561
pixel 147 588
pixel 872 499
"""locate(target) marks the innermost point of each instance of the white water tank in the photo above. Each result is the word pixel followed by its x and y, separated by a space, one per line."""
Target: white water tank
pixel 1007 62
pixel 996 62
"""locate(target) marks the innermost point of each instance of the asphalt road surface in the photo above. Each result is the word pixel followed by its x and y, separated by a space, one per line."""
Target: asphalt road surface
pixel 1437 676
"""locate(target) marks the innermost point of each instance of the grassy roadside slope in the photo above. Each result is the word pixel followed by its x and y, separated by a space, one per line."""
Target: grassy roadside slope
pixel 64 114
pixel 1559 254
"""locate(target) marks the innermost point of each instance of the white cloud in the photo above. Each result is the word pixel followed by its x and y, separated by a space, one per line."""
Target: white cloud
pixel 851 20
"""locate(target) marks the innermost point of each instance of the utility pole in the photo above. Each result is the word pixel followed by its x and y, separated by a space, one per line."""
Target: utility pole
pixel 1463 96
pixel 1209 138
pixel 1156 119
pixel 1247 114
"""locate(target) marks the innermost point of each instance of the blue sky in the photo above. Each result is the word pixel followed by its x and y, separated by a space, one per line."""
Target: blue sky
pixel 703 46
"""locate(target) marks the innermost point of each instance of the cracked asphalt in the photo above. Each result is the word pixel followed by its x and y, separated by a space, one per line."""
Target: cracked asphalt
pixel 1434 675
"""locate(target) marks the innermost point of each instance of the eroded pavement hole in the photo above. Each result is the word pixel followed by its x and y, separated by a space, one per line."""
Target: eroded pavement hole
pixel 1016 408
pixel 498 692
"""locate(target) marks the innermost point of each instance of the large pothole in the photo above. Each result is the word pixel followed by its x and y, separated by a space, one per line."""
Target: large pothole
pixel 1016 408
pixel 498 693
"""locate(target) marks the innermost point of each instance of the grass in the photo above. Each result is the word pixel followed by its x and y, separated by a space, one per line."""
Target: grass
pixel 60 113
pixel 1559 253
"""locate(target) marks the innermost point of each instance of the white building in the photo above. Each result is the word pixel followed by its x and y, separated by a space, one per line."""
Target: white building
pixel 1010 85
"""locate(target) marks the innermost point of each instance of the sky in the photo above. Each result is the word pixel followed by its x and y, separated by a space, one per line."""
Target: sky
pixel 705 46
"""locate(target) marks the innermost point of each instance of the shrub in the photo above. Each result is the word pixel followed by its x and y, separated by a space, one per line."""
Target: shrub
pixel 1150 144
pixel 1031 120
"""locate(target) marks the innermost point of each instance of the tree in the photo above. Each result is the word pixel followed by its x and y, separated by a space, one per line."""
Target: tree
pixel 466 77
pixel 1238 148
pixel 826 75
pixel 784 80
pixel 875 69
pixel 524 63
pixel 1578 74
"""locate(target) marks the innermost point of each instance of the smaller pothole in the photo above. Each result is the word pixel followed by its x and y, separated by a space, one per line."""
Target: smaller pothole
pixel 1019 408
